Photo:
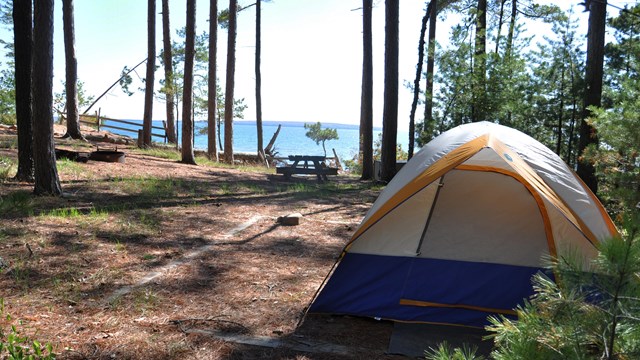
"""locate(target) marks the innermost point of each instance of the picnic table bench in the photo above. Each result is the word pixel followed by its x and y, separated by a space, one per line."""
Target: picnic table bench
pixel 307 165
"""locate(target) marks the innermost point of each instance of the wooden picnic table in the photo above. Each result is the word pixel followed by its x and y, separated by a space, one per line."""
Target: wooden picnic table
pixel 307 165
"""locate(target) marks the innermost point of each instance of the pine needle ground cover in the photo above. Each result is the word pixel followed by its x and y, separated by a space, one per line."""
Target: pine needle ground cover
pixel 136 256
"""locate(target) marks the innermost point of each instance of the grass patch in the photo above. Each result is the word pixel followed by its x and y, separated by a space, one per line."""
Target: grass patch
pixel 241 188
pixel 21 273
pixel 64 213
pixel 149 187
pixel 16 203
pixel 135 225
pixel 7 168
pixel 329 189
pixel 163 153
pixel 70 168
pixel 243 168
pixel 8 142
pixel 144 300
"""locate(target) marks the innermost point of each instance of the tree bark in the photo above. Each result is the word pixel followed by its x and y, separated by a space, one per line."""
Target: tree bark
pixel 212 100
pixel 431 56
pixel 168 73
pixel 71 71
pixel 187 95
pixel 560 124
pixel 593 90
pixel 500 22
pixel 390 107
pixel 147 119
pixel 258 77
pixel 231 69
pixel 366 107
pixel 480 64
pixel 512 29
pixel 416 81
pixel 23 38
pixel 46 173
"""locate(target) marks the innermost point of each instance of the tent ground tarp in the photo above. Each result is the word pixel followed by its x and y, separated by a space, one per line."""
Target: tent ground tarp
pixel 411 339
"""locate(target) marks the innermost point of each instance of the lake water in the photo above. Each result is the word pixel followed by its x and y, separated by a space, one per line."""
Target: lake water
pixel 291 140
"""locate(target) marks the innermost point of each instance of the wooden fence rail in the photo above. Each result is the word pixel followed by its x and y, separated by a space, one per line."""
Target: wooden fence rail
pixel 97 121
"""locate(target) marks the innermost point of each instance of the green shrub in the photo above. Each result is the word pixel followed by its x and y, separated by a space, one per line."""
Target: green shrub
pixel 15 346
pixel 593 314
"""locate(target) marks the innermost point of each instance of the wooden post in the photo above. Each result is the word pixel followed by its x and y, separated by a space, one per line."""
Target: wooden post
pixel 98 118
pixel 140 139
pixel 164 125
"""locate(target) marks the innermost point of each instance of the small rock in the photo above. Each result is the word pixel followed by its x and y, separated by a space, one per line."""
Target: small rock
pixel 291 219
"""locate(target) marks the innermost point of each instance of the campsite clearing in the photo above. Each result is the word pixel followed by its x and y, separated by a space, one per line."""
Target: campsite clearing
pixel 119 223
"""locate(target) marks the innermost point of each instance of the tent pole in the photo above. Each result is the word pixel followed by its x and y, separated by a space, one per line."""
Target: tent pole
pixel 433 206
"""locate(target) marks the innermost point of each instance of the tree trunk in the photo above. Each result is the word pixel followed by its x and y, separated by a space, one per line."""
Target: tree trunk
pixel 71 63
pixel 212 100
pixel 187 96
pixel 86 111
pixel 512 29
pixel 147 120
pixel 431 57
pixel 168 73
pixel 231 69
pixel 258 77
pixel 593 90
pixel 480 64
pixel 23 37
pixel 560 112
pixel 416 81
pixel 500 22
pixel 46 173
pixel 390 107
pixel 366 107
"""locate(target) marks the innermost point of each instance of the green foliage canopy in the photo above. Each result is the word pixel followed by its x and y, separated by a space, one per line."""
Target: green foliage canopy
pixel 316 133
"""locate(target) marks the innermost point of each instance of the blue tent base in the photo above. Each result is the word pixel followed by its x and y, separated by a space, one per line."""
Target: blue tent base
pixel 451 292
pixel 412 339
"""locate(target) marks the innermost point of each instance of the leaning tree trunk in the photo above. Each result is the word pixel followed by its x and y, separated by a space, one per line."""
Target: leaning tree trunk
pixel 71 63
pixel 366 108
pixel 187 96
pixel 167 58
pixel 212 101
pixel 23 37
pixel 231 69
pixel 147 121
pixel 593 90
pixel 431 55
pixel 258 80
pixel 416 81
pixel 390 107
pixel 46 173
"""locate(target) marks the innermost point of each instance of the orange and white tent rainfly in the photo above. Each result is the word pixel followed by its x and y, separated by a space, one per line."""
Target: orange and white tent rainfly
pixel 461 229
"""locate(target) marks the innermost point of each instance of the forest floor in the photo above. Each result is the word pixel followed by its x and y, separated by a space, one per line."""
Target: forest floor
pixel 155 259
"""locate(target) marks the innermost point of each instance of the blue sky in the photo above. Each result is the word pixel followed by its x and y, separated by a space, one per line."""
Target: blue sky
pixel 311 55
pixel 311 60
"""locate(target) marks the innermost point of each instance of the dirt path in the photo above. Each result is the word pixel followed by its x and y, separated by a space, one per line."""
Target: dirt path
pixel 105 271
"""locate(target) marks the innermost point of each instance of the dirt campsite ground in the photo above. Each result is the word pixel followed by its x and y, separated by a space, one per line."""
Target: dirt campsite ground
pixel 154 259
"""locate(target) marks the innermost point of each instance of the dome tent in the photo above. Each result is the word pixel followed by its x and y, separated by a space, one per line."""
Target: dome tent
pixel 460 230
